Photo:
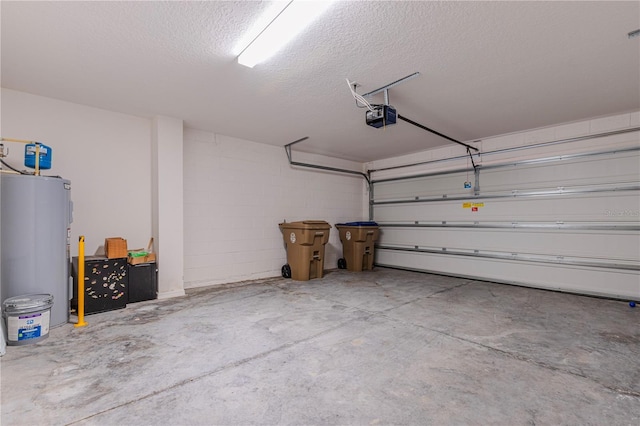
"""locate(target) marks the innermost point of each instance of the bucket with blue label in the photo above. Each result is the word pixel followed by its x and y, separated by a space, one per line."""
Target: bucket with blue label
pixel 27 318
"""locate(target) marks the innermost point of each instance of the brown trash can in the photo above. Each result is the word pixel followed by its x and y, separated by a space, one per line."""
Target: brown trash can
pixel 305 242
pixel 358 239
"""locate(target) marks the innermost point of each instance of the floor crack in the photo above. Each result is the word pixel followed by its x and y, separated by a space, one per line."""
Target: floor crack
pixel 444 290
pixel 515 356
pixel 222 368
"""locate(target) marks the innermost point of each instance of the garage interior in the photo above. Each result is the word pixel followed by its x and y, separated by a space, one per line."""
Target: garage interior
pixel 496 146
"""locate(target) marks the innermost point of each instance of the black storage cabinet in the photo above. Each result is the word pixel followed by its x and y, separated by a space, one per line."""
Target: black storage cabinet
pixel 143 282
pixel 105 284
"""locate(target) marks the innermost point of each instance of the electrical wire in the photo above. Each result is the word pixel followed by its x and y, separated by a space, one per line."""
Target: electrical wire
pixel 374 106
pixel 359 98
pixel 15 170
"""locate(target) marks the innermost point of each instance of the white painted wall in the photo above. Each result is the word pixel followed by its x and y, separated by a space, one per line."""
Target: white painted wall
pixel 105 155
pixel 237 191
pixel 167 205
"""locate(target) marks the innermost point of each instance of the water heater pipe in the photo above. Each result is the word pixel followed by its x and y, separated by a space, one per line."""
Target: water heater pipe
pixel 37 171
pixel 17 140
pixel 37 144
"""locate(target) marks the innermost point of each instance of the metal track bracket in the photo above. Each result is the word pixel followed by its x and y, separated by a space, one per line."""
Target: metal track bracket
pixel 287 149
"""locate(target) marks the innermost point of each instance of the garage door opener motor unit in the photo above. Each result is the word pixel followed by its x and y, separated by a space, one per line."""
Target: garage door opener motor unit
pixel 381 115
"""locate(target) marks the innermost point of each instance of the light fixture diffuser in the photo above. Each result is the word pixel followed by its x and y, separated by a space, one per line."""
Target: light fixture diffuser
pixel 295 16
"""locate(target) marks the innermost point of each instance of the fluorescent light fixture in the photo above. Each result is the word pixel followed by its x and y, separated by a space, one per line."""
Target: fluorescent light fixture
pixel 280 28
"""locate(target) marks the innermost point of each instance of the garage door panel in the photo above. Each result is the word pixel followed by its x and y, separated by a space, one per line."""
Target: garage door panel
pixel 596 171
pixel 621 246
pixel 592 171
pixel 426 187
pixel 595 281
pixel 618 207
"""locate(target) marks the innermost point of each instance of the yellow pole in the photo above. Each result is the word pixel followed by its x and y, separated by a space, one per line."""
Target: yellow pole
pixel 81 322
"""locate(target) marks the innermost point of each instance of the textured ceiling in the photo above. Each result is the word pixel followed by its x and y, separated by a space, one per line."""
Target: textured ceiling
pixel 487 68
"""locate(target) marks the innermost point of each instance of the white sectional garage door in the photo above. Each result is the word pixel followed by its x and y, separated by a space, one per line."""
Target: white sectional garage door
pixel 564 222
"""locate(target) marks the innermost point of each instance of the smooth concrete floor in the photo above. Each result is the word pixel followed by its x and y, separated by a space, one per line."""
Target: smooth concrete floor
pixel 377 347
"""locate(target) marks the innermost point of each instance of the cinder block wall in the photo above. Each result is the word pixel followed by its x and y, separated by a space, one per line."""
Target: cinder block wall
pixel 237 191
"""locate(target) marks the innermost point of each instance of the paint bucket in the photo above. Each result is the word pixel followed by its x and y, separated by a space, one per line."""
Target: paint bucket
pixel 27 318
pixel 3 343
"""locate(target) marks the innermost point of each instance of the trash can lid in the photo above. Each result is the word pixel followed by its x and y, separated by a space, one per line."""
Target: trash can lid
pixel 28 301
pixel 306 224
pixel 367 223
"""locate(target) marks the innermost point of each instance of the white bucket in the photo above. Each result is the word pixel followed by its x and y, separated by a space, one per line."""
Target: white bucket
pixel 3 342
pixel 27 318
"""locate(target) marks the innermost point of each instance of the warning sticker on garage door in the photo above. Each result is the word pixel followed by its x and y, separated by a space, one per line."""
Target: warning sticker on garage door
pixel 473 206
